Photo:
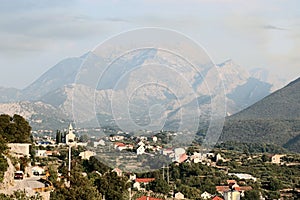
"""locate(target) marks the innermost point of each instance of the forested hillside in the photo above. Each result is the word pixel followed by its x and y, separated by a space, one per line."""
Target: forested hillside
pixel 12 129
pixel 275 119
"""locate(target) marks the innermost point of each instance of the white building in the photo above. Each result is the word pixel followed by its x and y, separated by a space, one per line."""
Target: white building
pixel 36 170
pixel 41 153
pixel 243 176
pixel 276 159
pixel 154 138
pixel 86 155
pixel 140 150
pixel 206 195
pixel 100 142
pixel 179 196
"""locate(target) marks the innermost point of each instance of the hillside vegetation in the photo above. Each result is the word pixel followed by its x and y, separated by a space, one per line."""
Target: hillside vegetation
pixel 275 119
pixel 12 129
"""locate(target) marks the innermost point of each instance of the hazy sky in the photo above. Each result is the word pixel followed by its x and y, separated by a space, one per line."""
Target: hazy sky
pixel 35 35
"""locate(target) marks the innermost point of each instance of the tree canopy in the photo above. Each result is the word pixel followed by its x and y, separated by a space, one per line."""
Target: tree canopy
pixel 14 129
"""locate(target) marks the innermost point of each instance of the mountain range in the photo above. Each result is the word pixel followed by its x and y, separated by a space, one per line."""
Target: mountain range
pixel 275 119
pixel 60 96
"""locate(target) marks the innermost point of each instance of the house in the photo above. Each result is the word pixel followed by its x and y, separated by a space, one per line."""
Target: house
pixel 139 182
pixel 219 157
pixel 120 146
pixel 243 189
pixel 100 142
pixel 129 146
pixel 154 139
pixel 179 195
pixel 132 177
pixel 83 144
pixel 148 198
pixel 37 170
pixel 49 153
pixel 141 143
pixel 167 152
pixel 140 150
pixel 116 138
pixel 205 195
pixel 243 176
pixel 196 157
pixel 86 155
pixel 118 171
pixel 276 158
pixel 182 158
pixel 19 149
pixel 41 153
pixel 222 189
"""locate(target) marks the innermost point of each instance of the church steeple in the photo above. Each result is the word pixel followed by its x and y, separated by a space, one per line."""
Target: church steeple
pixel 70 137
pixel 70 127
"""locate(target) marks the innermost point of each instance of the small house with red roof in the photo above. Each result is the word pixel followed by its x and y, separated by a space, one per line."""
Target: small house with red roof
pixel 140 182
pixel 148 198
pixel 217 198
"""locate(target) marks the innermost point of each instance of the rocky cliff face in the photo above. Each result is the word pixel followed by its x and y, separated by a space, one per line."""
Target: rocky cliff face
pixel 8 176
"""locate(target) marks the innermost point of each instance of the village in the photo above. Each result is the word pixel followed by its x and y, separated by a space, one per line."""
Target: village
pixel 123 152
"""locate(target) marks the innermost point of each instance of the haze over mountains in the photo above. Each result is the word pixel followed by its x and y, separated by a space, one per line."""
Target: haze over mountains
pixel 51 97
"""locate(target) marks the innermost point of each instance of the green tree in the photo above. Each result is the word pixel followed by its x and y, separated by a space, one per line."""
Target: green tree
pixel 58 137
pixel 275 184
pixel 112 186
pixel 84 138
pixel 265 158
pixel 15 129
pixel 159 186
pixel 80 188
pixel 251 194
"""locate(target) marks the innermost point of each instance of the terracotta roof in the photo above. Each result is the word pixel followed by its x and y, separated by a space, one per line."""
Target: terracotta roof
pixel 183 158
pixel 148 198
pixel 243 188
pixel 120 144
pixel 222 188
pixel 217 198
pixel 144 180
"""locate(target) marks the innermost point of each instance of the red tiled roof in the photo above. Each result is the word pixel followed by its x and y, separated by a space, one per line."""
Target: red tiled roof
pixel 120 144
pixel 217 198
pixel 243 188
pixel 222 188
pixel 144 180
pixel 147 198
pixel 183 158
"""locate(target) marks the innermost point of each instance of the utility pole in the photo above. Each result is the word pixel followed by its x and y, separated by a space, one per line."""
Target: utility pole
pixel 168 178
pixel 69 167
pixel 163 171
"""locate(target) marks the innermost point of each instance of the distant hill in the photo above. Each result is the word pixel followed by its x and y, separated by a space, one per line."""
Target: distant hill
pixel 275 119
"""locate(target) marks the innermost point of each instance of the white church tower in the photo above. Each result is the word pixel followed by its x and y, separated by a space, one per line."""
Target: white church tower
pixel 70 137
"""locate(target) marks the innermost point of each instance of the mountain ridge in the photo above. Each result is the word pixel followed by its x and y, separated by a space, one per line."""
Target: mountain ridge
pixel 274 119
pixel 57 86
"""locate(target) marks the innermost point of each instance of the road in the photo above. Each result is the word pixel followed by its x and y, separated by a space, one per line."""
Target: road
pixel 26 184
